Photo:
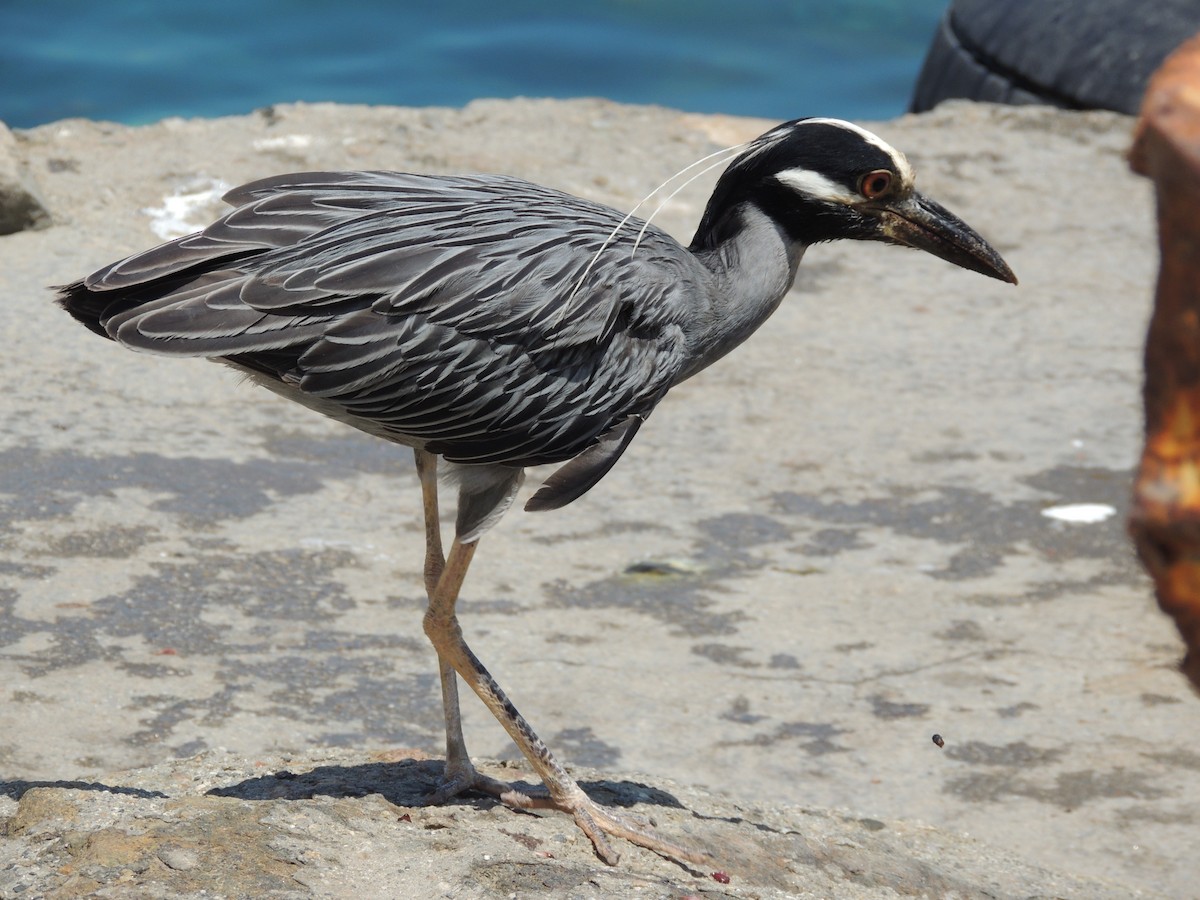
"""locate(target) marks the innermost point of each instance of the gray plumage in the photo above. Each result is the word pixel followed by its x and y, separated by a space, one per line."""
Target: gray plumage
pixel 469 316
pixel 493 322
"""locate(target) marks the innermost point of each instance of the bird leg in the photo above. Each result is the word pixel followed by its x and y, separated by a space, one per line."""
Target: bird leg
pixel 564 793
pixel 460 774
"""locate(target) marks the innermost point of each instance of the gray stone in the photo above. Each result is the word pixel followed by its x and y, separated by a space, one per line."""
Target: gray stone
pixel 21 207
pixel 179 859
pixel 349 825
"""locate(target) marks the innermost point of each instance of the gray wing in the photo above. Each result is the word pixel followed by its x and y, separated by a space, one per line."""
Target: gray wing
pixel 463 314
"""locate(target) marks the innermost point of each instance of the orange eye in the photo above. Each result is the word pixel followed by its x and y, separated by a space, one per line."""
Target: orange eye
pixel 875 184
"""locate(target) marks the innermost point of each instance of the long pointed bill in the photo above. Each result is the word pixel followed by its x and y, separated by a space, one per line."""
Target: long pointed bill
pixel 921 223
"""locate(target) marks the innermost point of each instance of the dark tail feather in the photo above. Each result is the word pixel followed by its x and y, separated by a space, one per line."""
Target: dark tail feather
pixel 88 307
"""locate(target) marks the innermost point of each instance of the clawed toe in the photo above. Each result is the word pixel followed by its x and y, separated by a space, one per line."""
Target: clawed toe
pixel 460 779
pixel 596 821
pixel 599 822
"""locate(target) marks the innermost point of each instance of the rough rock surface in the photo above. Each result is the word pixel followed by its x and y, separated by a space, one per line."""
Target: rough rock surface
pixel 20 205
pixel 816 554
pixel 339 824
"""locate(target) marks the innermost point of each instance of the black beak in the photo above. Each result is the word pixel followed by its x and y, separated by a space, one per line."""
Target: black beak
pixel 915 221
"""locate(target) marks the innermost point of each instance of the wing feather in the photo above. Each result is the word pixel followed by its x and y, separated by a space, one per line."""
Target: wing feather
pixel 468 314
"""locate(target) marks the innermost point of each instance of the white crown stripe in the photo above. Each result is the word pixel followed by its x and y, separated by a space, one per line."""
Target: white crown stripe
pixel 903 169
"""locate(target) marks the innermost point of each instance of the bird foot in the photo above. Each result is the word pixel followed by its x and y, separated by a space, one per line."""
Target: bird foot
pixel 598 822
pixel 460 777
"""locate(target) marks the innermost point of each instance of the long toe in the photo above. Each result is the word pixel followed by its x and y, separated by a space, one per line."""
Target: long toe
pixel 599 822
pixel 461 778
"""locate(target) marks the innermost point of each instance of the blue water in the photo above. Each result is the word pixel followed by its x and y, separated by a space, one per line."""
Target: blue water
pixel 137 61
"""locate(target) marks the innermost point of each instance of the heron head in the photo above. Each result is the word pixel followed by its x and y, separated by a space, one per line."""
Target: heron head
pixel 826 179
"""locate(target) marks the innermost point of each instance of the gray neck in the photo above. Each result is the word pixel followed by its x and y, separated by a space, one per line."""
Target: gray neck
pixel 751 268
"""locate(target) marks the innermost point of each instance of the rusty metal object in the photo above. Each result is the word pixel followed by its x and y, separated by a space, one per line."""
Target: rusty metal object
pixel 1165 517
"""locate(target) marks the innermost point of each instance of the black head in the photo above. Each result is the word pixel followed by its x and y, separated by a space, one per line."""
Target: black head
pixel 825 180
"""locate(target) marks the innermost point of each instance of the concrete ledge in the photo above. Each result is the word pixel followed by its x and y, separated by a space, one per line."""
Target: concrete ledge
pixel 342 824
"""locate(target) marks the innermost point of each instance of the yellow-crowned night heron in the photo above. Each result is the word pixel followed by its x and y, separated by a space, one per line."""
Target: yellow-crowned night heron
pixel 498 324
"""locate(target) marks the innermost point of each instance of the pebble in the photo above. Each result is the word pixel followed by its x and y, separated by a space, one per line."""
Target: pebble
pixel 179 859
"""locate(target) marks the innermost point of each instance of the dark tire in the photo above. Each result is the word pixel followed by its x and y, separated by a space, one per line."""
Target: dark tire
pixel 1076 54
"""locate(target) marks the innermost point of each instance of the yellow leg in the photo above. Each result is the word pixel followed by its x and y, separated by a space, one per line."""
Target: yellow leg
pixel 460 774
pixel 596 821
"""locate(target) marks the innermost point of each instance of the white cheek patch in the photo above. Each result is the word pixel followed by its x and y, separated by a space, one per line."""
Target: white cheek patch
pixel 814 184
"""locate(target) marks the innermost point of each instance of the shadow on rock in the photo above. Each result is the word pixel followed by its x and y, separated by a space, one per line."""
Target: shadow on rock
pixel 17 789
pixel 408 782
